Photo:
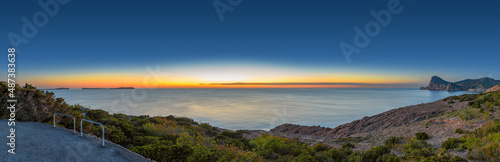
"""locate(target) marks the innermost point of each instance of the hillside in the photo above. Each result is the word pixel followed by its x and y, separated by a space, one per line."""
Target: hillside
pixel 471 121
pixel 476 85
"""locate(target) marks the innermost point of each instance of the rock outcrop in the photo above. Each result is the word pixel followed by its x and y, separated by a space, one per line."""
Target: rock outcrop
pixel 391 118
pixel 495 88
pixel 475 85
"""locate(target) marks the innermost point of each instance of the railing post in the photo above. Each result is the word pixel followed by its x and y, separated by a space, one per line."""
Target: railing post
pixel 74 121
pixel 102 126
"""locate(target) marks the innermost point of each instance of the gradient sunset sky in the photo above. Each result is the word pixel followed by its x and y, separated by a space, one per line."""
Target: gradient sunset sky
pixel 279 43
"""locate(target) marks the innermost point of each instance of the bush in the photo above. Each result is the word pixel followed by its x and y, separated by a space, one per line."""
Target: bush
pixel 319 147
pixel 474 104
pixel 451 143
pixel 483 143
pixel 201 153
pixel 145 140
pixel 121 117
pixel 467 114
pixel 279 145
pixel 417 149
pixel 467 97
pixel 208 129
pixel 348 145
pixel 391 141
pixel 376 153
pixel 96 115
pixel 164 153
pixel 339 154
pixel 459 131
pixel 305 157
pixel 390 158
pixel 422 136
pixel 231 134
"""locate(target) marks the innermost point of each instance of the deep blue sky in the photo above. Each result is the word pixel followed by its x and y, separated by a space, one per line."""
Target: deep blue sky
pixel 453 39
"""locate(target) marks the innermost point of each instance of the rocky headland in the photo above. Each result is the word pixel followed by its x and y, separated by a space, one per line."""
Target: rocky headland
pixel 475 85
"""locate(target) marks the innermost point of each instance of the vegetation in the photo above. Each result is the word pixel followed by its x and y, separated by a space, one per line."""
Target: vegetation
pixel 451 143
pixel 172 138
pixel 459 131
pixel 422 136
pixel 391 141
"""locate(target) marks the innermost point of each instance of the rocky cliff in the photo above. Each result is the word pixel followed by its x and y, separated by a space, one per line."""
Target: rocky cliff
pixel 391 118
pixel 495 88
pixel 481 85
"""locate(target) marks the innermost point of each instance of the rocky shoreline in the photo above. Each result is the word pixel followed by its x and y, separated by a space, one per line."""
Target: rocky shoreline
pixel 433 118
pixel 391 118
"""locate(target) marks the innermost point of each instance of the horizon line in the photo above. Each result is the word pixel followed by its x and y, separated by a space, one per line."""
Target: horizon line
pixel 259 85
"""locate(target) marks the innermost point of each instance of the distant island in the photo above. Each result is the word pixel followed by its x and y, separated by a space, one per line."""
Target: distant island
pixel 473 85
pixel 58 89
pixel 112 88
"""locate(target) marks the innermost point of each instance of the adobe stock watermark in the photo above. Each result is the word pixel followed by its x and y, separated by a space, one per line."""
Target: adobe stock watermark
pixel 39 20
pixel 11 101
pixel 372 29
pixel 221 7
pixel 282 117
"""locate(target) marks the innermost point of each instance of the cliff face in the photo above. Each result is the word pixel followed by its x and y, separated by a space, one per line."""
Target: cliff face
pixel 495 88
pixel 391 118
pixel 482 84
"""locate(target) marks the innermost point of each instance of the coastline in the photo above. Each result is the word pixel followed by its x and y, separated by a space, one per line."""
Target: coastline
pixel 440 120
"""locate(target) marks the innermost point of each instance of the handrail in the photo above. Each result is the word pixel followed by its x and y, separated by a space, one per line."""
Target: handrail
pixel 74 121
pixel 81 128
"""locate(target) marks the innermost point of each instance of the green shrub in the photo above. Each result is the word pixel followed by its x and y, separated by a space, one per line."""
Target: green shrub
pixel 348 145
pixel 483 143
pixel 221 137
pixel 96 115
pixel 351 139
pixel 305 157
pixel 121 117
pixel 164 153
pixel 339 154
pixel 242 143
pixel 451 143
pixel 390 158
pixel 231 134
pixel 474 104
pixel 208 129
pixel 279 145
pixel 391 141
pixel 467 97
pixel 319 147
pixel 145 140
pixel 459 131
pixel 201 153
pixel 467 114
pixel 376 153
pixel 417 149
pixel 422 136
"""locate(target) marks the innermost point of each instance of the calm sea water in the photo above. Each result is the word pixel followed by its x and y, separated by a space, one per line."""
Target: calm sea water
pixel 253 108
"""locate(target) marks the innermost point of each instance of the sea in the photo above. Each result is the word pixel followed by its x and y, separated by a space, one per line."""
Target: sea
pixel 261 109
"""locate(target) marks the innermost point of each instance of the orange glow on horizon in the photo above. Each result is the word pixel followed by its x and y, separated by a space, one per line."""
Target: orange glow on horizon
pixel 237 77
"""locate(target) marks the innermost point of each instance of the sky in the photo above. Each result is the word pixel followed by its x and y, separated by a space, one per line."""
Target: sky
pixel 253 44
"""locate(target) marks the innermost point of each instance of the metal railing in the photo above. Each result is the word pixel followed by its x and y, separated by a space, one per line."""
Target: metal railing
pixel 74 121
pixel 81 128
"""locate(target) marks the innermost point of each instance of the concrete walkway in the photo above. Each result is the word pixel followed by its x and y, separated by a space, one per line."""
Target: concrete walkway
pixel 42 142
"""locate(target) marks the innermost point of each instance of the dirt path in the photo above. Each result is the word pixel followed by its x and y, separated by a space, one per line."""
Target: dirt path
pixel 42 142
